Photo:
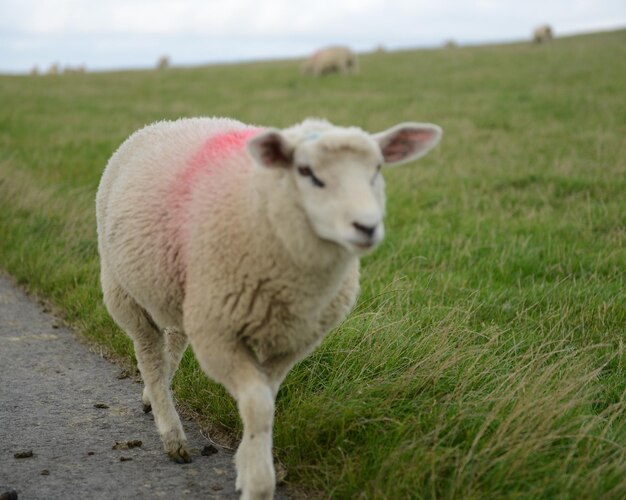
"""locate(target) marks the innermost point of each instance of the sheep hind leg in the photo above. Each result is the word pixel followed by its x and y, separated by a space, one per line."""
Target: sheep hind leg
pixel 154 365
pixel 174 347
pixel 175 344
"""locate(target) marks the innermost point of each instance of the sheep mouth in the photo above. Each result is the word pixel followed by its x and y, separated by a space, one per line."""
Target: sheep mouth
pixel 364 245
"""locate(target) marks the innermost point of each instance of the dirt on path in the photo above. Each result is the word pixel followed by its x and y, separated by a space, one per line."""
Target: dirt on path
pixel 63 409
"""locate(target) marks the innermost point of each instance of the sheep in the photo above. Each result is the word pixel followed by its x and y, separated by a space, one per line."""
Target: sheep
pixel 54 69
pixel 244 242
pixel 163 62
pixel 336 59
pixel 542 34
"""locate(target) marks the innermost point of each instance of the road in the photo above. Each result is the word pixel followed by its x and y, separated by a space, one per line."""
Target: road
pixel 69 407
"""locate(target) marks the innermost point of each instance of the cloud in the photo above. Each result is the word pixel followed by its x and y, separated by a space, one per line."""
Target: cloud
pixel 302 18
pixel 101 33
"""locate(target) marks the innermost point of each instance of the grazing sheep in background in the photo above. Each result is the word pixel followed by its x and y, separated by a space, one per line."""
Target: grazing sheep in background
pixel 543 34
pixel 244 242
pixel 331 60
pixel 163 62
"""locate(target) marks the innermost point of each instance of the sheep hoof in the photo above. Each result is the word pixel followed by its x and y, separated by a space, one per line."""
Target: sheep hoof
pixel 180 456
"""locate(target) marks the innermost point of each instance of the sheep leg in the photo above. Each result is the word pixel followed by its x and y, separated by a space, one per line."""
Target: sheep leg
pixel 255 468
pixel 278 374
pixel 232 366
pixel 153 364
pixel 175 344
pixel 174 347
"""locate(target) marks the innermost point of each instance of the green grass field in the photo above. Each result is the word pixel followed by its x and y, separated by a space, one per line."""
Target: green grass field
pixel 485 357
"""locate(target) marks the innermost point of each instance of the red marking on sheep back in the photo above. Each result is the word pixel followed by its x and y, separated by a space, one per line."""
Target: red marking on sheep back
pixel 208 159
pixel 216 148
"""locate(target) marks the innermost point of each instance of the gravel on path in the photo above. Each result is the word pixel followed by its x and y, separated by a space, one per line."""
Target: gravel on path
pixel 71 429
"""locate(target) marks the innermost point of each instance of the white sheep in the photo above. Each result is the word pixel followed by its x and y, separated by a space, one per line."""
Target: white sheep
pixel 244 242
pixel 336 59
pixel 542 34
pixel 54 69
pixel 163 62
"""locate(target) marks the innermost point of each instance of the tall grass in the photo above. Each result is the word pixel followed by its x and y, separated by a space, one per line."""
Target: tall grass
pixel 485 358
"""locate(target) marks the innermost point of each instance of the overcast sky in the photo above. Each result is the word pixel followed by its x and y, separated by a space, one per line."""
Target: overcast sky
pixel 105 34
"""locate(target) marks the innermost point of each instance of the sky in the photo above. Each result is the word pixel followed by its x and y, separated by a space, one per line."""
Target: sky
pixel 120 34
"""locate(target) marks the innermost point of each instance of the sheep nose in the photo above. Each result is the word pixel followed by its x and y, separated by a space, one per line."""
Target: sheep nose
pixel 367 230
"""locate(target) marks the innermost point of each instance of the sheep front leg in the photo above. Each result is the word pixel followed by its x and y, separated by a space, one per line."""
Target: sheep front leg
pixel 255 467
pixel 230 364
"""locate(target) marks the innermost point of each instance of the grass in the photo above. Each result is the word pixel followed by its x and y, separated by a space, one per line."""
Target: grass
pixel 485 358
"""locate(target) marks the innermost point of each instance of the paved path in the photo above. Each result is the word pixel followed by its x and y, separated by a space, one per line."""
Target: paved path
pixel 50 385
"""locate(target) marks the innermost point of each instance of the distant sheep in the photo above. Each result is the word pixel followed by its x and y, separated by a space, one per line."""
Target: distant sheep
pixel 335 59
pixel 163 62
pixel 543 34
pixel 244 242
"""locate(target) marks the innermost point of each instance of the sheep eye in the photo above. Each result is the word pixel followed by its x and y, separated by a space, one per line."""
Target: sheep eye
pixel 306 171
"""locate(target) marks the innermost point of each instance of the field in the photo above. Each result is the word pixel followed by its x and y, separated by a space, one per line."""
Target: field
pixel 485 357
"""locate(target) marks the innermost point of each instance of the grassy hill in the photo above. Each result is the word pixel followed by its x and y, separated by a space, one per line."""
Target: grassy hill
pixel 485 357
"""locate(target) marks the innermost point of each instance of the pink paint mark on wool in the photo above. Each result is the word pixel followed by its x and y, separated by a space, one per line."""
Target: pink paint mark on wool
pixel 214 150
pixel 209 159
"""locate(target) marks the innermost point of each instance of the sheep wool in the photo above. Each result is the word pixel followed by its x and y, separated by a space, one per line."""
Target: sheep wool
pixel 244 242
pixel 543 34
pixel 334 59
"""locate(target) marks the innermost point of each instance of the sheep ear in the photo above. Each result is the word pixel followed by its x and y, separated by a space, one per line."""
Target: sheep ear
pixel 270 149
pixel 407 141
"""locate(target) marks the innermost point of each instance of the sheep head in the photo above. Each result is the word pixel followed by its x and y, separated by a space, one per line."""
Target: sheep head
pixel 337 173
